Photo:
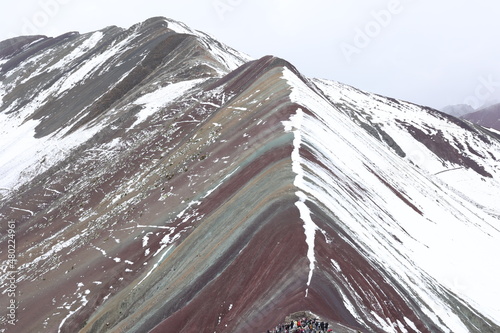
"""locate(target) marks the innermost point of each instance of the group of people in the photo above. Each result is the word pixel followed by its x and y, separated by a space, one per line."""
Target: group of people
pixel 302 326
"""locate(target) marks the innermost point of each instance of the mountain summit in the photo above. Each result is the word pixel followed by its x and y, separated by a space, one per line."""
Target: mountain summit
pixel 154 179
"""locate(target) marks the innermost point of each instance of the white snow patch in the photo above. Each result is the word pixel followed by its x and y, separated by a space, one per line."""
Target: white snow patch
pixel 88 67
pixel 294 125
pixel 411 324
pixel 335 265
pixel 84 47
pixel 154 266
pixel 22 156
pixel 179 27
pixel 56 248
pixel 145 239
pixel 100 250
pixel 161 97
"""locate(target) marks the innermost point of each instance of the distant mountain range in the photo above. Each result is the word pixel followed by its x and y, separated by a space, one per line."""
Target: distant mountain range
pixel 486 116
pixel 153 179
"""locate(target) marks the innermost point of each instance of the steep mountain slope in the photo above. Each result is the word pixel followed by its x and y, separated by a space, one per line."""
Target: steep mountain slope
pixel 54 86
pixel 161 181
pixel 487 117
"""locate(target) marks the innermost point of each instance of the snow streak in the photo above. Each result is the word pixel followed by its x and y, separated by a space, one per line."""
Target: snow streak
pixel 294 125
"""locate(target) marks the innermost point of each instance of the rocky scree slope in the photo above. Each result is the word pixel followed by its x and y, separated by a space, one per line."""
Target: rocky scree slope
pixel 162 181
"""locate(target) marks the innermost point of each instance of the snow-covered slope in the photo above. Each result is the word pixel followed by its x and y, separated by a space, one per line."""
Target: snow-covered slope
pixel 52 84
pixel 423 213
pixel 161 181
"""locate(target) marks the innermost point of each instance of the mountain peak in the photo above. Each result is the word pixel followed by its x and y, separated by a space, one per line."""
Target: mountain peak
pixel 118 61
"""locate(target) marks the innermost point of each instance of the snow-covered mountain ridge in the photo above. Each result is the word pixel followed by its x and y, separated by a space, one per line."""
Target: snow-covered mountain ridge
pixel 162 181
pixel 62 83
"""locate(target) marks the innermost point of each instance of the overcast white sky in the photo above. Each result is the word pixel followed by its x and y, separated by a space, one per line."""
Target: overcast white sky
pixel 428 52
